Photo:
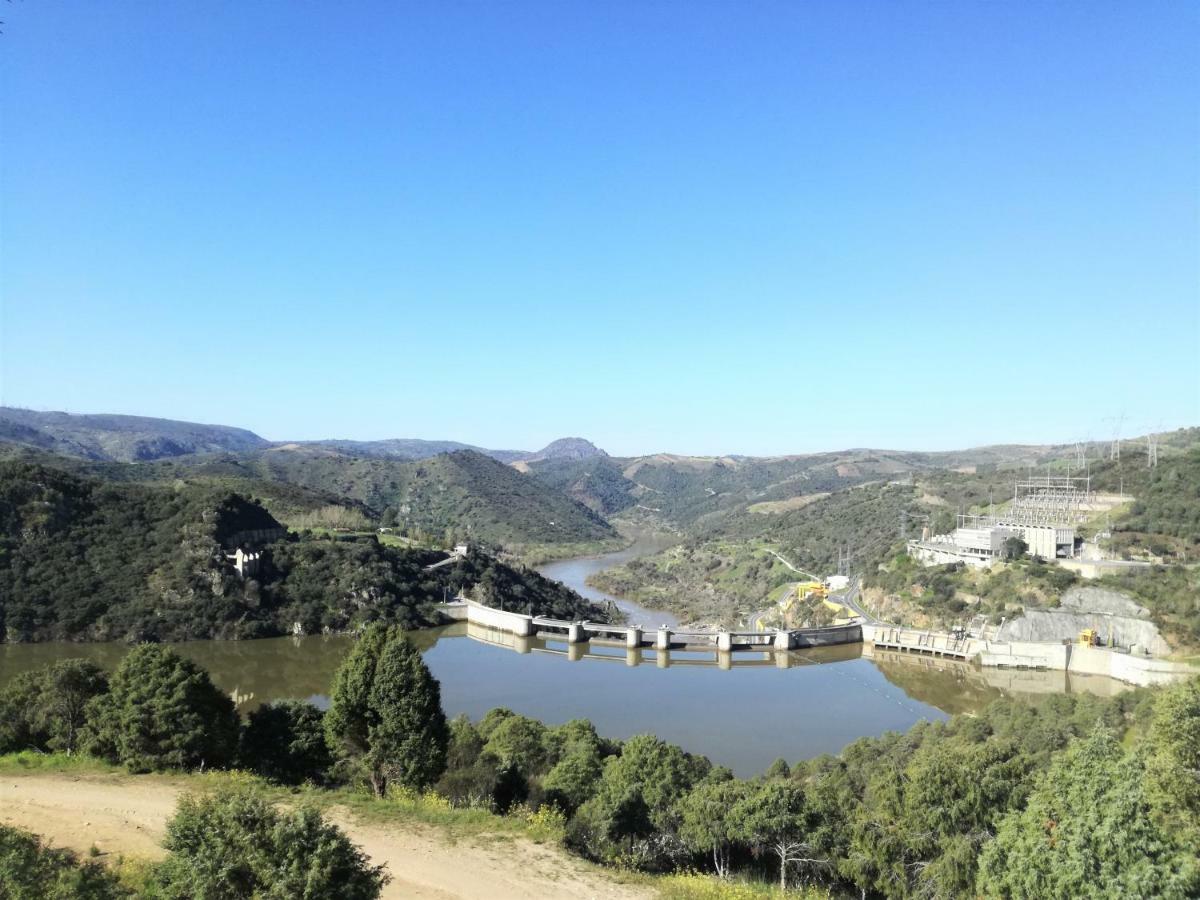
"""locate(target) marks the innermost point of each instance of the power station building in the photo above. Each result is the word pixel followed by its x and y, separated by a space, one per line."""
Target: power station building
pixel 1043 513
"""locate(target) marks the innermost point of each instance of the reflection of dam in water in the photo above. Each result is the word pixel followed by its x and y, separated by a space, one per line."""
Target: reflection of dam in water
pixel 949 684
pixel 616 652
pixel 956 686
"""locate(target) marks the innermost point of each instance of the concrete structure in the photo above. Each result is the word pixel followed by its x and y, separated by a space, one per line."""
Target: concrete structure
pixel 1064 655
pixel 633 637
pixel 459 552
pixel 1043 513
pixel 525 633
pixel 246 564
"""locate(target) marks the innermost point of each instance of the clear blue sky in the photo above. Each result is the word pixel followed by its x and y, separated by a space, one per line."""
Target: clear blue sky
pixel 700 227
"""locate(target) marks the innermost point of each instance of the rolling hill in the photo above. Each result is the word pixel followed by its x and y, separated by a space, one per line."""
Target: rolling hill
pixel 465 492
pixel 119 438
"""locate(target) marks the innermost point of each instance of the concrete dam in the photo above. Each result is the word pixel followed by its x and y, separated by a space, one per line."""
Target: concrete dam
pixel 634 637
pixel 731 649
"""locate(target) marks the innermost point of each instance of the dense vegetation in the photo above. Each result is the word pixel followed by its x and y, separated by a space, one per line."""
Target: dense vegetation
pixel 30 870
pixel 469 495
pixel 725 572
pixel 1069 795
pixel 1165 516
pixel 85 559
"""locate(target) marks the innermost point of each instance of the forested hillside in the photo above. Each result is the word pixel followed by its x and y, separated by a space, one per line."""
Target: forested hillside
pixel 726 571
pixel 82 559
pixel 467 493
pixel 463 495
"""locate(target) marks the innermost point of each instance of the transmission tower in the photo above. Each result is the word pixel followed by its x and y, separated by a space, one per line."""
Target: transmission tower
pixel 1151 450
pixel 1115 451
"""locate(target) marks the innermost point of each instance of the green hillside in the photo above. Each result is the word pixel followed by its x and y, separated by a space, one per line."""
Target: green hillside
pixel 466 493
pixel 727 571
pixel 463 495
pixel 82 559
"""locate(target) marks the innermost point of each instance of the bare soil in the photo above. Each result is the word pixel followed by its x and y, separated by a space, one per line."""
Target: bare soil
pixel 126 815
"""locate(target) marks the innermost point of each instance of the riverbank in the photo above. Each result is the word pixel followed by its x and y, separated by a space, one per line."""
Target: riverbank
pixel 580 574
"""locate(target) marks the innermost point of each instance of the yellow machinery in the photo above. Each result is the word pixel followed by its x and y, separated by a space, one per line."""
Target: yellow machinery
pixel 815 589
pixel 1089 636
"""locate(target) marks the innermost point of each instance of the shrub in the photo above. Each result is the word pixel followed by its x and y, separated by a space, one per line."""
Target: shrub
pixel 234 844
pixel 285 742
pixel 29 870
pixel 163 712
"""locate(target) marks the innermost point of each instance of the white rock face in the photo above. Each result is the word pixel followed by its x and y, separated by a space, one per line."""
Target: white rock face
pixel 1065 624
pixel 1102 600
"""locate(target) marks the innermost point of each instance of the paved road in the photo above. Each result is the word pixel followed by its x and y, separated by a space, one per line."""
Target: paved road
pixel 850 599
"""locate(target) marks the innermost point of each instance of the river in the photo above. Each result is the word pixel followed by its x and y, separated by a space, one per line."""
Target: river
pixel 764 707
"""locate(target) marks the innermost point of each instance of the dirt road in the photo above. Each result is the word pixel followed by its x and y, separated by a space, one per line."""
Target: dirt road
pixel 122 814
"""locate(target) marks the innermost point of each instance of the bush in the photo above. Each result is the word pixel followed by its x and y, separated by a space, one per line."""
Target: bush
pixel 234 844
pixel 163 712
pixel 285 742
pixel 31 871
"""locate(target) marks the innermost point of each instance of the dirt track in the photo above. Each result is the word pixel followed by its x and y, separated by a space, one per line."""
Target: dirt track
pixel 126 815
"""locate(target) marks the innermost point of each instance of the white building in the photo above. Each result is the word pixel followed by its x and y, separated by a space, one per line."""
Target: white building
pixel 1043 513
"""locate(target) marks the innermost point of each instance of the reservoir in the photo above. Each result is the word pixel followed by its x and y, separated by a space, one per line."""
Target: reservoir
pixel 765 706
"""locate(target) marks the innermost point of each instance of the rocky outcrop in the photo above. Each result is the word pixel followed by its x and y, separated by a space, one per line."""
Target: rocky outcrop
pixel 1065 625
pixel 1102 600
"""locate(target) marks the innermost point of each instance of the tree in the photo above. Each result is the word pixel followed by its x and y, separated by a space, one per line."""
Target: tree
pixel 234 845
pixel 637 797
pixel 1089 829
pixel 772 817
pixel 29 870
pixel 705 824
pixel 520 741
pixel 285 742
pixel 1015 548
pixel 162 712
pixel 385 712
pixel 574 778
pixel 778 769
pixel 1175 752
pixel 46 709
pixel 18 707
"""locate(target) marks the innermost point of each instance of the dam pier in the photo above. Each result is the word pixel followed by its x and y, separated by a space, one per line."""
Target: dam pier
pixel 772 648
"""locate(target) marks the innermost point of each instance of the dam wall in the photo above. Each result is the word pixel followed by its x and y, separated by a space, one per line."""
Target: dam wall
pixel 1056 656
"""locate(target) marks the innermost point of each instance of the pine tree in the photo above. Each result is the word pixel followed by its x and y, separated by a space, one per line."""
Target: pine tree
pixel 386 712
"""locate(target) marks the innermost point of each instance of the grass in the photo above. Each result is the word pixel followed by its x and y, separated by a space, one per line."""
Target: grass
pixel 53 763
pixel 695 886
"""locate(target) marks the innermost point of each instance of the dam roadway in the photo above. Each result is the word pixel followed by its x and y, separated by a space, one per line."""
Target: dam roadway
pixel 664 638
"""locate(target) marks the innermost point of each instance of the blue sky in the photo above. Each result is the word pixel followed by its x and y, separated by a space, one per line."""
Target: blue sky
pixel 698 227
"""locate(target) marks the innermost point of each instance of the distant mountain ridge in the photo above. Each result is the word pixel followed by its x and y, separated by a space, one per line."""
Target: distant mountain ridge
pixel 119 438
